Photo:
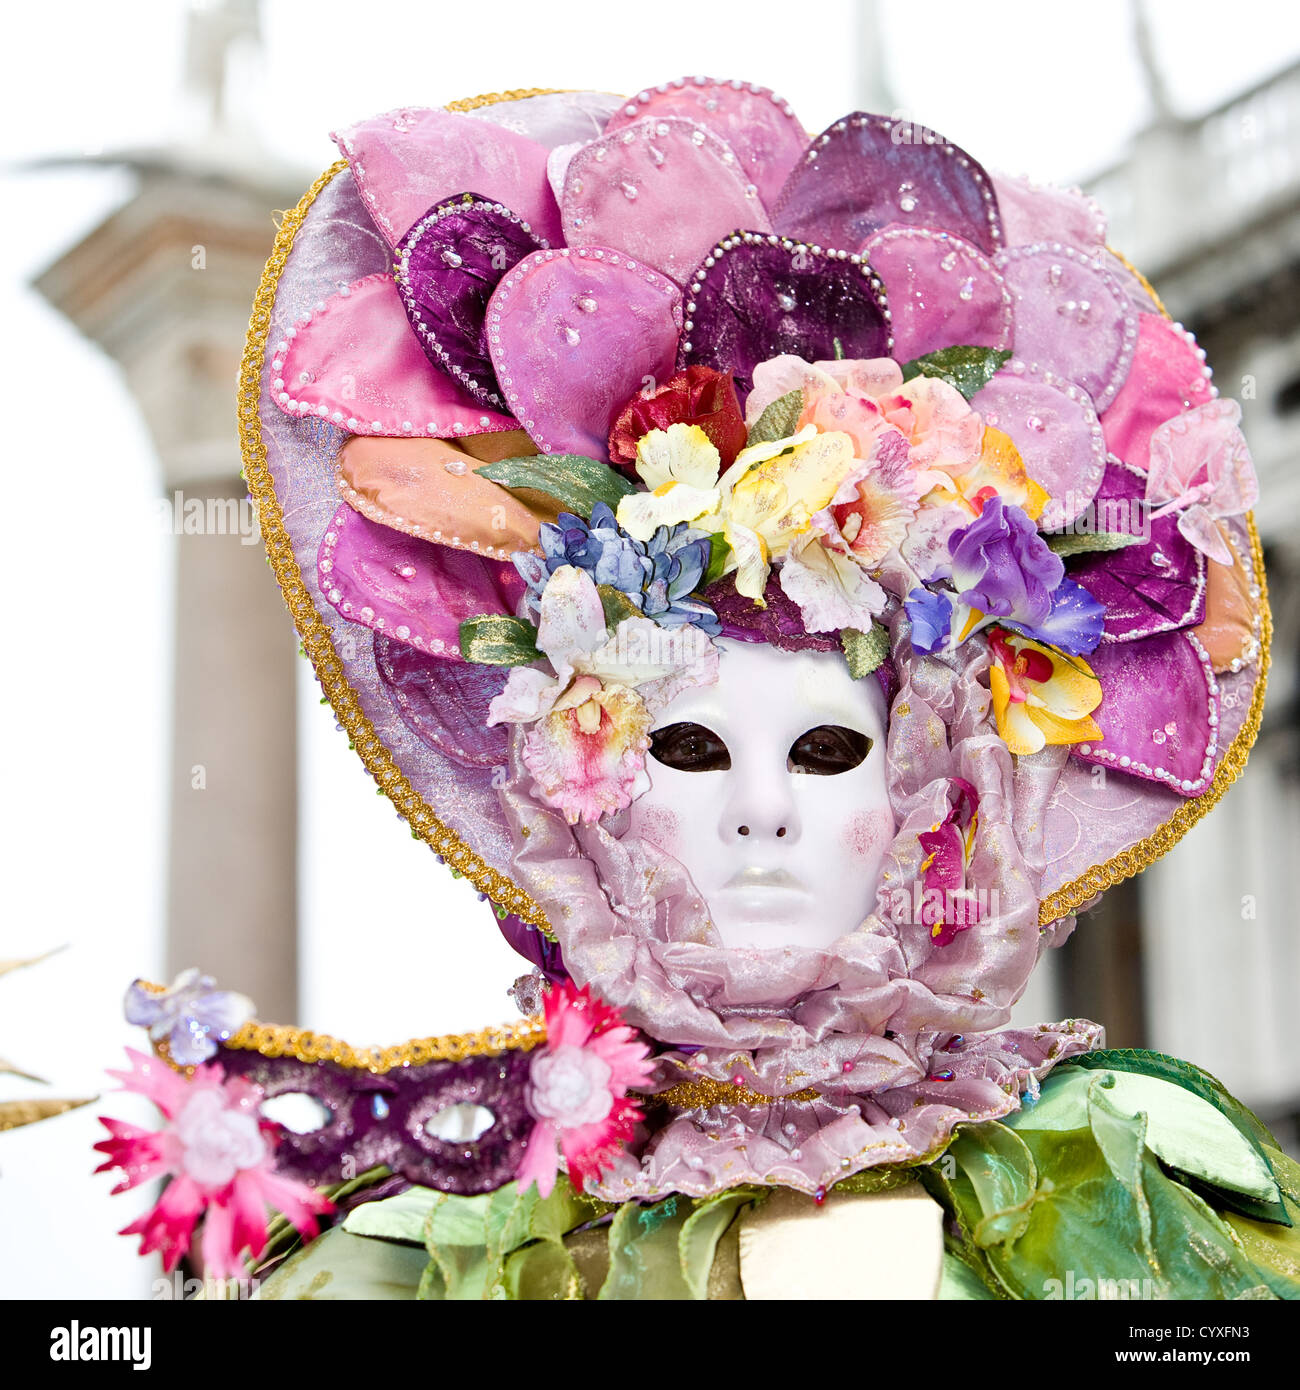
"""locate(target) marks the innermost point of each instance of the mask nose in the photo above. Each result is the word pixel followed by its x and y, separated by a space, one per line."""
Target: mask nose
pixel 759 811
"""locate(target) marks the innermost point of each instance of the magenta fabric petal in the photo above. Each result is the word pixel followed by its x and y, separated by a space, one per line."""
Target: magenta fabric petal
pixel 574 334
pixel 448 264
pixel 663 190
pixel 1146 589
pixel 759 296
pixel 756 123
pixel 1159 713
pixel 406 160
pixel 1053 425
pixel 445 703
pixel 1034 212
pixel 355 362
pixel 1168 377
pixel 867 172
pixel 1072 317
pixel 943 292
pixel 412 590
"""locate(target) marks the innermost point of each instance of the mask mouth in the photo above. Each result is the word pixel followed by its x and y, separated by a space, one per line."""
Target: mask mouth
pixel 755 877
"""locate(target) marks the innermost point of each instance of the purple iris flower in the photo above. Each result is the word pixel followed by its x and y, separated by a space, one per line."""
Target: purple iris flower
pixel 193 1015
pixel 931 615
pixel 1004 568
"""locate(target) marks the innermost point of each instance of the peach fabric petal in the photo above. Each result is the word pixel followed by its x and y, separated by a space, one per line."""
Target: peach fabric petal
pixel 428 488
pixel 1228 632
pixel 355 362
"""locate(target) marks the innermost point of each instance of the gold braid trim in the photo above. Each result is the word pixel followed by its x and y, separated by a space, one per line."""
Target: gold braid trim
pixel 705 1093
pixel 421 817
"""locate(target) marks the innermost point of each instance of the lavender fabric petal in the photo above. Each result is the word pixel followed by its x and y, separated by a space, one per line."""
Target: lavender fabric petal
pixel 448 264
pixel 411 590
pixel 406 160
pixel 943 292
pixel 756 123
pixel 551 118
pixel 445 703
pixel 1056 431
pixel 757 297
pixel 1158 586
pixel 1167 378
pixel 663 190
pixel 867 172
pixel 352 361
pixel 1072 317
pixel 1159 712
pixel 574 334
pixel 1002 566
pixel 379 1118
pixel 1033 212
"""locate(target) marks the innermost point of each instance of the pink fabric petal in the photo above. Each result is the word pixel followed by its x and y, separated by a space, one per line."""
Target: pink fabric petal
pixel 1056 431
pixel 573 335
pixel 756 123
pixel 1198 528
pixel 1159 711
pixel 1200 457
pixel 411 590
pixel 1033 212
pixel 405 161
pixel 355 362
pixel 1072 317
pixel 943 292
pixel 866 172
pixel 541 1160
pixel 1168 376
pixel 572 619
pixel 663 190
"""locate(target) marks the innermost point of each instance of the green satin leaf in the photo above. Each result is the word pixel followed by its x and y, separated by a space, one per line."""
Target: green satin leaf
pixel 577 483
pixel 508 1223
pixel 1274 1249
pixel 457 1220
pixel 644 1261
pixel 455 1235
pixel 395 1218
pixel 1183 1129
pixel 553 1217
pixel 494 639
pixel 779 420
pixel 1001 1172
pixel 960 1282
pixel 617 605
pixel 338 1265
pixel 1066 543
pixel 719 554
pixel 701 1231
pixel 543 1272
pixel 864 650
pixel 967 369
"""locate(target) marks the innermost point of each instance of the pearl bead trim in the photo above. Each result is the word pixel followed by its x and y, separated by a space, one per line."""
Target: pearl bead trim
pixel 631 107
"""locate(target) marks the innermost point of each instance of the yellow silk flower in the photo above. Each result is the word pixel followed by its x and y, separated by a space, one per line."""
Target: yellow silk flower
pixel 1040 695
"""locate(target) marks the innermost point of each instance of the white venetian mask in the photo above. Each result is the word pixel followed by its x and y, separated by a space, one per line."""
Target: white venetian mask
pixel 769 787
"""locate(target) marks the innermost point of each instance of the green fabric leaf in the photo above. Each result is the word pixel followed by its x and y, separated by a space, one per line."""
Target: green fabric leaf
pixel 1066 543
pixel 494 639
pixel 968 369
pixel 543 1271
pixel 1274 1248
pixel 1001 1172
pixel 395 1218
pixel 865 650
pixel 644 1258
pixel 700 1234
pixel 338 1265
pixel 617 605
pixel 553 1217
pixel 779 420
pixel 575 482
pixel 960 1281
pixel 508 1224
pixel 719 553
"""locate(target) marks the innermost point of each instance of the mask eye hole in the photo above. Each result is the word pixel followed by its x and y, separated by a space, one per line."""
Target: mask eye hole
pixel 828 750
pixel 689 748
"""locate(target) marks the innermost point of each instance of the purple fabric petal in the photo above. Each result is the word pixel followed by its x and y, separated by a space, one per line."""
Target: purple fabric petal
pixel 448 264
pixel 930 613
pixel 574 334
pixel 1002 566
pixel 1072 316
pixel 756 123
pixel 409 589
pixel 404 161
pixel 663 190
pixel 943 292
pixel 1146 588
pixel 1056 431
pixel 1074 624
pixel 142 1007
pixel 445 703
pixel 867 172
pixel 1159 711
pixel 757 296
pixel 780 624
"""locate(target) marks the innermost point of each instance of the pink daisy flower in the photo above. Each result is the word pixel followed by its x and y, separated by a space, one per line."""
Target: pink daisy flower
pixel 577 1089
pixel 216 1148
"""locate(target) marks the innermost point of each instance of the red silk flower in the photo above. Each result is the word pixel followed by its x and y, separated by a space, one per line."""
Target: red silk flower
pixel 698 396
